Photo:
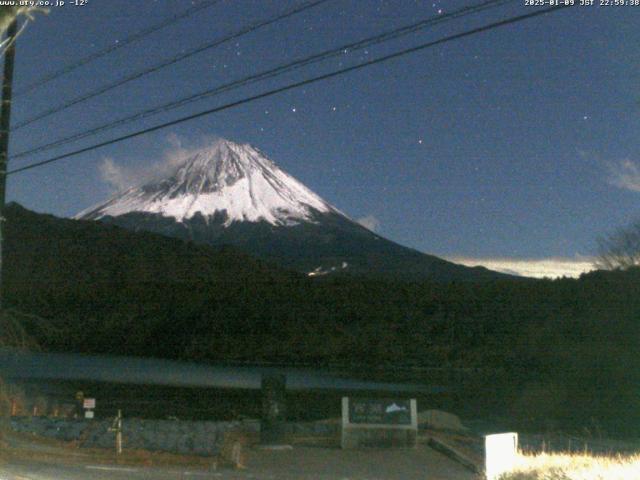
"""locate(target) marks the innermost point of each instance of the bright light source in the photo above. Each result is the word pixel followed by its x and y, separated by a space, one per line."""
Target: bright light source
pixel 500 452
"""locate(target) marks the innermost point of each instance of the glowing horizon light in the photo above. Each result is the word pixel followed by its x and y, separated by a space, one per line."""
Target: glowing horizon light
pixel 532 267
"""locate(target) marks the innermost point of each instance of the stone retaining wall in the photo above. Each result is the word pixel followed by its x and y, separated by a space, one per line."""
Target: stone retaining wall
pixel 176 436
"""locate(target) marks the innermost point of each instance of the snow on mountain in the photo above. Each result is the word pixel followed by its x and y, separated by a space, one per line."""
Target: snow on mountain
pixel 229 178
pixel 231 194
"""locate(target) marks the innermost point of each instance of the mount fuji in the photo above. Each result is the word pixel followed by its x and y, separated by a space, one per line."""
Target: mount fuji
pixel 232 194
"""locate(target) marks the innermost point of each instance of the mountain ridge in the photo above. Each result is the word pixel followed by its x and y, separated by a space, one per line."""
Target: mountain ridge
pixel 232 194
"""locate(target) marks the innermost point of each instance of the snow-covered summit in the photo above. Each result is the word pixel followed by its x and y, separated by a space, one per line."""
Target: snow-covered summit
pixel 227 178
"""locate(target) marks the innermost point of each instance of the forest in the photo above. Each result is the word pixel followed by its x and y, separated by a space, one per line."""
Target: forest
pixel 555 353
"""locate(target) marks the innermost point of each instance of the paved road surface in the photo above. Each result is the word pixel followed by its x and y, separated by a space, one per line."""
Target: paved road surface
pixel 298 464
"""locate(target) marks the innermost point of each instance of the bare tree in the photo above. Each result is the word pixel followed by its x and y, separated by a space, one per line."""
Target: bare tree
pixel 620 249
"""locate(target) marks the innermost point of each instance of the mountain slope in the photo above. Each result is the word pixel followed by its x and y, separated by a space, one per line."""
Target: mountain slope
pixel 108 290
pixel 226 177
pixel 232 194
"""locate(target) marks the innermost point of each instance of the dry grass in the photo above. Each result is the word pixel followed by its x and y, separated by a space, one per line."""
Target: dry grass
pixel 575 467
pixel 68 454
pixel 31 448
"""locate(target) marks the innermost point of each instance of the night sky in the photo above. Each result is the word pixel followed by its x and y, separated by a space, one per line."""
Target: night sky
pixel 521 143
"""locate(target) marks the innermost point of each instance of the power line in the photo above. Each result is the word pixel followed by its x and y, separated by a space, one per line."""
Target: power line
pixel 178 58
pixel 123 43
pixel 291 66
pixel 292 86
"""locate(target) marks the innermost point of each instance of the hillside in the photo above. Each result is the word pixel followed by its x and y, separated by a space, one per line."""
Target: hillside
pixel 557 352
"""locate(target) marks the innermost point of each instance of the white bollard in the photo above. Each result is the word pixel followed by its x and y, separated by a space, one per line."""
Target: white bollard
pixel 500 453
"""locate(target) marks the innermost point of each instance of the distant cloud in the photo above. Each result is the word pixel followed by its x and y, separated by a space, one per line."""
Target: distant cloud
pixel 536 268
pixel 114 175
pixel 120 177
pixel 370 222
pixel 174 140
pixel 625 174
pixel 179 150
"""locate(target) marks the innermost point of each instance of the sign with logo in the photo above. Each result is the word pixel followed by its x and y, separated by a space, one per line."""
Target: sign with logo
pixel 376 411
pixel 376 422
pixel 89 403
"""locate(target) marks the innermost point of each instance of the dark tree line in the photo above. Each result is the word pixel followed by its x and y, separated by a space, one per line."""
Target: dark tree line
pixel 558 352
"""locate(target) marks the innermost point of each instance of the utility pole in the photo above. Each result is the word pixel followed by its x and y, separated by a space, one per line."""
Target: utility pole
pixel 5 125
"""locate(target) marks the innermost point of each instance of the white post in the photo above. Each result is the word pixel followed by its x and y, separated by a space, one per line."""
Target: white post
pixel 414 414
pixel 119 433
pixel 345 421
pixel 116 427
pixel 500 452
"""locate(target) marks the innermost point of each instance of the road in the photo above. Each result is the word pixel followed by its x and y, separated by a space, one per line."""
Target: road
pixel 304 463
pixel 50 471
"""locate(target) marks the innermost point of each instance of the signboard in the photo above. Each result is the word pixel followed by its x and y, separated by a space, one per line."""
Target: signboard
pixel 501 451
pixel 89 403
pixel 376 411
pixel 88 414
pixel 375 422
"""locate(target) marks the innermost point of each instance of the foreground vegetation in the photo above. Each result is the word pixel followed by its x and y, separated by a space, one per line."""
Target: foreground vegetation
pixel 12 335
pixel 552 354
pixel 575 467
